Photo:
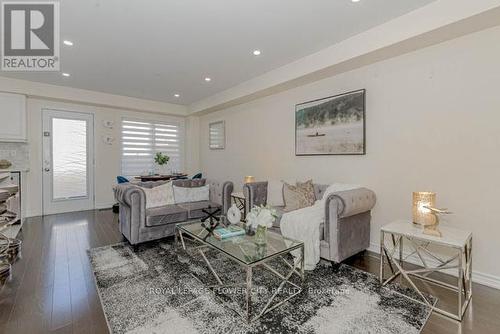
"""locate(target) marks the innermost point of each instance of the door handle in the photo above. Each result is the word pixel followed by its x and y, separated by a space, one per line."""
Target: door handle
pixel 47 169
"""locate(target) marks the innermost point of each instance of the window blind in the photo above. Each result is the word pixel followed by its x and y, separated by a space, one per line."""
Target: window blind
pixel 141 140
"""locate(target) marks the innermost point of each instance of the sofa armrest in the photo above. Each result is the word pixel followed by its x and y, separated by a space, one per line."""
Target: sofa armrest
pixel 220 192
pixel 347 223
pixel 351 202
pixel 132 201
pixel 125 193
pixel 345 204
pixel 255 194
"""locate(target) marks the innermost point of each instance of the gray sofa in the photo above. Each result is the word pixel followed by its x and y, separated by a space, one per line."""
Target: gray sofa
pixel 139 224
pixel 346 230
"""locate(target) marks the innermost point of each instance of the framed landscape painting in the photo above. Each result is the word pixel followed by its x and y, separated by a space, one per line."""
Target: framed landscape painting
pixel 331 126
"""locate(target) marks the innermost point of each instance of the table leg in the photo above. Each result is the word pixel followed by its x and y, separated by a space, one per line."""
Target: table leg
pixel 249 294
pixel 470 268
pixel 302 264
pixel 210 267
pixel 460 281
pixel 182 240
pixel 382 260
pixel 401 251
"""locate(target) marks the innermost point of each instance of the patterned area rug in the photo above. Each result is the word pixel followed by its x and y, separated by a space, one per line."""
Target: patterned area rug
pixel 161 289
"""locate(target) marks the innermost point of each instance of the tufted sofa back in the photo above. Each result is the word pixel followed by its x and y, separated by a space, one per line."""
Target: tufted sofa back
pixel 189 183
pixel 319 190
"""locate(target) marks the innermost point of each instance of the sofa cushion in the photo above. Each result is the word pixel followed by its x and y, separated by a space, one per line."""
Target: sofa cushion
pixel 167 214
pixel 195 209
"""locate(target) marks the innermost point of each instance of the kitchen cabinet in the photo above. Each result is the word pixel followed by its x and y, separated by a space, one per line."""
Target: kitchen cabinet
pixel 13 117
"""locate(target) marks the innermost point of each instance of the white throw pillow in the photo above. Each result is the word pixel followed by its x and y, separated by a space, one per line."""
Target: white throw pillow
pixel 275 193
pixel 195 194
pixel 159 195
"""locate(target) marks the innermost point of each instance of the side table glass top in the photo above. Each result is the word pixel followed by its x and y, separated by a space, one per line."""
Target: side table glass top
pixel 451 236
pixel 241 248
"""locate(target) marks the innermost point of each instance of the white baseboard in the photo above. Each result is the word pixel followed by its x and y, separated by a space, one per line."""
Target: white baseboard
pixel 32 214
pixel 100 206
pixel 477 277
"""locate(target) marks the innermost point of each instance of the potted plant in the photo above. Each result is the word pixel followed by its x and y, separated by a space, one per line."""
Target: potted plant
pixel 162 160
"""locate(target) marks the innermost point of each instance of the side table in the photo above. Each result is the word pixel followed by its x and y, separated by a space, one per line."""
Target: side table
pixel 460 244
pixel 240 201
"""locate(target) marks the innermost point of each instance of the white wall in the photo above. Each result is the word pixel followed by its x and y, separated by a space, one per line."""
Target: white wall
pixel 192 163
pixel 107 157
pixel 433 123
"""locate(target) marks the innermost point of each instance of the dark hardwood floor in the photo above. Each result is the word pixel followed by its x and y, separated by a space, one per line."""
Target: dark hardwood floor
pixel 52 288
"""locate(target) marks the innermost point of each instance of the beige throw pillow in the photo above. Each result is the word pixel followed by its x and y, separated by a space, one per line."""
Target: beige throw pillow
pixel 299 196
pixel 159 195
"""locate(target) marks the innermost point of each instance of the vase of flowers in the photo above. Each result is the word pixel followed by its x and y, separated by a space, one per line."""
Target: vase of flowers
pixel 162 161
pixel 259 219
pixel 260 235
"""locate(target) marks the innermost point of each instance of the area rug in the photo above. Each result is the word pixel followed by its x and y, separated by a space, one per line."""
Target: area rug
pixel 159 288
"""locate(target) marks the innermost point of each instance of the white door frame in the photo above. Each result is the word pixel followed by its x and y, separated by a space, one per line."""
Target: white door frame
pixel 49 205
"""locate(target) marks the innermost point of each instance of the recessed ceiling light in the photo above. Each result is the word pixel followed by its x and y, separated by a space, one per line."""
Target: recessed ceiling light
pixel 68 43
pixel 207 79
pixel 257 52
pixel 355 0
pixel 176 95
pixel 66 74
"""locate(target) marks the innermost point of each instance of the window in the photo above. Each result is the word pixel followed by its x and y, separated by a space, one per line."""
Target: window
pixel 142 139
pixel 69 158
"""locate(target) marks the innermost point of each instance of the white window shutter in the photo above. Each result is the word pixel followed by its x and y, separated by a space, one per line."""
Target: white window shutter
pixel 141 140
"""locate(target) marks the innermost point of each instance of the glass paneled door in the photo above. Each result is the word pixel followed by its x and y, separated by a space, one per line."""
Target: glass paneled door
pixel 68 161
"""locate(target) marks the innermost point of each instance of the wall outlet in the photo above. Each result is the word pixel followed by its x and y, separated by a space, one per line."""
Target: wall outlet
pixel 108 140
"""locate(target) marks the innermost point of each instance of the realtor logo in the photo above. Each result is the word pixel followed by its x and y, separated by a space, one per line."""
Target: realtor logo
pixel 30 36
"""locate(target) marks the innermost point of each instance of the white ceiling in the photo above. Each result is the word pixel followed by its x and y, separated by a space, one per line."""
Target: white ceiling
pixel 152 49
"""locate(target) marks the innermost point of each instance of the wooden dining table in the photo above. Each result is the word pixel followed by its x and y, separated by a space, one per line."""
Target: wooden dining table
pixel 157 177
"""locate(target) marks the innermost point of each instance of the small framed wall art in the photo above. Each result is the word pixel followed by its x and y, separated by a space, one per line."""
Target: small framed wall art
pixel 217 135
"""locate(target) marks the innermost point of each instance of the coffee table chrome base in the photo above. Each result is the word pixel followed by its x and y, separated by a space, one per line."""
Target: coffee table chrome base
pixel 295 268
pixel 461 260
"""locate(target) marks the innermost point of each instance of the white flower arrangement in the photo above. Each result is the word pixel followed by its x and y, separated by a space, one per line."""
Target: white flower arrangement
pixel 261 215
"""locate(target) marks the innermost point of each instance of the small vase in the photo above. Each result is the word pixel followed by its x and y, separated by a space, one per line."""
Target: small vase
pixel 163 169
pixel 261 235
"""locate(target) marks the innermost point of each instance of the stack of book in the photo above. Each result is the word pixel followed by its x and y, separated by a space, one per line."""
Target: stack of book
pixel 222 233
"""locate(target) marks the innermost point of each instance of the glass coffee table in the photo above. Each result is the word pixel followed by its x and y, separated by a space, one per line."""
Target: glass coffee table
pixel 244 251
